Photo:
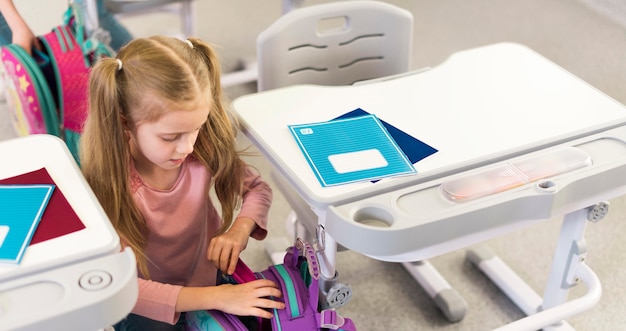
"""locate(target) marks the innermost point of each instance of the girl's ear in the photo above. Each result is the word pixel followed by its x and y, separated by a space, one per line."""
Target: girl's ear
pixel 126 127
pixel 124 121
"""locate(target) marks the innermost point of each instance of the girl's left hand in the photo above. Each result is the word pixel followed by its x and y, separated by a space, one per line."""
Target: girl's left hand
pixel 27 39
pixel 224 249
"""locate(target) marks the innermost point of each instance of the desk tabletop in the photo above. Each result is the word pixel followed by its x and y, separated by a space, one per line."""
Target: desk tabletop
pixel 479 106
pixel 97 238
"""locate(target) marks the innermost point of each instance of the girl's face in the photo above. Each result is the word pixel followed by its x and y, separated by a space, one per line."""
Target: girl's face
pixel 165 143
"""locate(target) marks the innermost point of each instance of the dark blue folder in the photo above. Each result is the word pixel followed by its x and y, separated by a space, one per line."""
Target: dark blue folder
pixel 414 148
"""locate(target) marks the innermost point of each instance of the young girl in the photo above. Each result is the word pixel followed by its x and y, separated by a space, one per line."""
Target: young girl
pixel 158 137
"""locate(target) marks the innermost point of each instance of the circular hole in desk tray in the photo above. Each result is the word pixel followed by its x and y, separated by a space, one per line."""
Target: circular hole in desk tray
pixel 373 216
pixel 547 185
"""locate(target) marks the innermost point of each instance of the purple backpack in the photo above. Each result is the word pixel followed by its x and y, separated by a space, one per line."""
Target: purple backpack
pixel 298 280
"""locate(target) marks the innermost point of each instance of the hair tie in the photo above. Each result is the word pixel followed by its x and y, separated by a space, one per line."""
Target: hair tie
pixel 119 64
pixel 188 42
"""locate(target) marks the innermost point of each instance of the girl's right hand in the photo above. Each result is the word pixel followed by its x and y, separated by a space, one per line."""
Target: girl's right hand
pixel 251 299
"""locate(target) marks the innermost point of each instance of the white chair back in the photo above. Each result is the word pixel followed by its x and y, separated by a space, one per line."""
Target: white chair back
pixel 338 43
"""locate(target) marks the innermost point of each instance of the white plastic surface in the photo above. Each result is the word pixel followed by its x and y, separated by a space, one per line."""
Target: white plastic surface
pixel 504 177
pixel 418 222
pixel 77 281
pixel 98 238
pixel 84 296
pixel 481 110
pixel 477 107
pixel 337 43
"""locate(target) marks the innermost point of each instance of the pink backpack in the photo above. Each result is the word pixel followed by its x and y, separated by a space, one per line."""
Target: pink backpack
pixel 47 92
pixel 298 280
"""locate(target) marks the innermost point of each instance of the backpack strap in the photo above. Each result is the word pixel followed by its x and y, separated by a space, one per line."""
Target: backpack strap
pixel 314 271
pixel 293 301
pixel 311 257
pixel 71 76
pixel 330 319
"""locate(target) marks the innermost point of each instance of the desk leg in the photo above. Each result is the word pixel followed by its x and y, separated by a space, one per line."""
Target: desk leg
pixel 568 268
pixel 445 297
pixel 336 294
pixel 327 253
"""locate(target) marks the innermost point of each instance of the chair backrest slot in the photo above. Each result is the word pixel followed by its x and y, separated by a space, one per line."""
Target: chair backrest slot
pixel 374 35
pixel 293 48
pixel 363 59
pixel 307 68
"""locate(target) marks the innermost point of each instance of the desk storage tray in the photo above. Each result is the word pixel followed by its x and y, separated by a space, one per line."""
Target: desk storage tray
pixel 422 220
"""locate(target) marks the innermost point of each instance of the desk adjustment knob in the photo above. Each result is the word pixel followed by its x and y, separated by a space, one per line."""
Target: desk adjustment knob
pixel 598 211
pixel 95 280
pixel 338 295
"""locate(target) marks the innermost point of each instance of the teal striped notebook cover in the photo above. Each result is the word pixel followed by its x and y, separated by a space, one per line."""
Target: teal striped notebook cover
pixel 350 150
pixel 21 208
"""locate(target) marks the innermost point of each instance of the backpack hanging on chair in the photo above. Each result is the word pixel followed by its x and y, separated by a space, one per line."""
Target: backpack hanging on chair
pixel 47 92
pixel 298 281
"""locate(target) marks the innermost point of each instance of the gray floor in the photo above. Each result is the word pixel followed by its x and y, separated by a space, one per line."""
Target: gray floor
pixel 585 37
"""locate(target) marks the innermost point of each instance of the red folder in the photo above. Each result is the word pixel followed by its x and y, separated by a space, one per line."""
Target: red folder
pixel 59 218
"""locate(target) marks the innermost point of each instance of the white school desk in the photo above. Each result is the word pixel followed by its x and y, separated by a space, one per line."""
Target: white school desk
pixel 76 281
pixel 519 140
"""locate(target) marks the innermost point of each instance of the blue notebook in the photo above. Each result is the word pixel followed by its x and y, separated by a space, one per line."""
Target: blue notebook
pixel 350 150
pixel 21 208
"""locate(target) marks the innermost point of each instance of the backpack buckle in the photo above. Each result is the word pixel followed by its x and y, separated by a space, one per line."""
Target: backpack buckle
pixel 329 319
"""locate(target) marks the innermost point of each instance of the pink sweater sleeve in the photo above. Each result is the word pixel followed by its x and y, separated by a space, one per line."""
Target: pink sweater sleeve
pixel 257 198
pixel 157 301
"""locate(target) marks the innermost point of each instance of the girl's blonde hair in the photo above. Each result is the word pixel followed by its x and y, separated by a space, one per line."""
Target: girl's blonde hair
pixel 148 77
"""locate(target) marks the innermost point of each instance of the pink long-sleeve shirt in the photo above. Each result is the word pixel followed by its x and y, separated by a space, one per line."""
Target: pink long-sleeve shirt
pixel 182 221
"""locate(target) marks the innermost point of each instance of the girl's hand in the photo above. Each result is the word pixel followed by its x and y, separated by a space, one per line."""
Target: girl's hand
pixel 250 299
pixel 224 250
pixel 25 38
pixel 21 33
pixel 255 298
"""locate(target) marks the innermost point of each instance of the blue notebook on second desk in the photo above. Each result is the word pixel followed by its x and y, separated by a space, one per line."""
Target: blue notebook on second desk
pixel 351 149
pixel 21 208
